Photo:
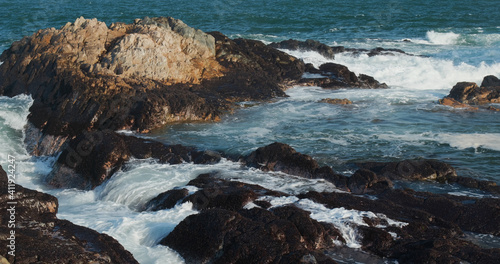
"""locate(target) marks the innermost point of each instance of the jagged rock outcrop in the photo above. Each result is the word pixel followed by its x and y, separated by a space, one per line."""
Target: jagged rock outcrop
pixel 39 237
pixel 88 76
pixel 465 94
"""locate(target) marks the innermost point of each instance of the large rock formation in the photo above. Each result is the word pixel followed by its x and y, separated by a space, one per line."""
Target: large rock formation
pixel 465 94
pixel 30 230
pixel 88 76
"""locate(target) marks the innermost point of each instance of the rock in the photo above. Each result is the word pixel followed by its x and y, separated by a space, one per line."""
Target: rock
pixel 490 81
pixel 435 224
pixel 491 108
pixel 166 200
pixel 230 195
pixel 427 170
pixel 339 76
pixel 365 181
pixel 383 51
pixel 469 93
pixel 42 238
pixel 87 76
pixel 456 104
pixel 424 169
pixel 308 45
pixel 282 157
pixel 93 157
pixel 344 101
pixel 255 235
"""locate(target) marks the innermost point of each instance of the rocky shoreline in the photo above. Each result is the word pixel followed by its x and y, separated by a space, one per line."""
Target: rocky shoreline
pixel 89 80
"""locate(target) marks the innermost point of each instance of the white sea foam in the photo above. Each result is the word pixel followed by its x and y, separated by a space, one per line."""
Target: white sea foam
pixel 343 219
pixel 475 140
pixel 409 72
pixel 440 38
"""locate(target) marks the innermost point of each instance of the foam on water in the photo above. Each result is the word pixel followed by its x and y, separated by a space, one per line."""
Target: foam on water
pixel 343 219
pixel 475 140
pixel 408 72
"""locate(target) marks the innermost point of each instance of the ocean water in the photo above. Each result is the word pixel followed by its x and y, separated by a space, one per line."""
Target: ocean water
pixel 459 41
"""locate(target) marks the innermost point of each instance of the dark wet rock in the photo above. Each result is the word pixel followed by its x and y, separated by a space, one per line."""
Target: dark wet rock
pixel 366 181
pixel 344 101
pixel 308 45
pixel 255 235
pixel 435 224
pixel 282 157
pixel 423 169
pixel 42 238
pixel 230 195
pixel 427 170
pixel 490 81
pixel 469 93
pixel 166 200
pixel 93 157
pixel 84 76
pixel 383 51
pixel 339 76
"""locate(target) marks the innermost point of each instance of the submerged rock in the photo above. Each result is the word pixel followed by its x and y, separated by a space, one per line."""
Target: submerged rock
pixel 344 101
pixel 42 238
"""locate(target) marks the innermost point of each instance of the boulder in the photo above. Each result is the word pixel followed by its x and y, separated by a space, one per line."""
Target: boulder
pixel 255 235
pixel 42 238
pixel 282 157
pixel 490 81
pixel 230 195
pixel 166 200
pixel 468 93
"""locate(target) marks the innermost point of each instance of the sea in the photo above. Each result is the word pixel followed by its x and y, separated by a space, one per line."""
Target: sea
pixel 452 41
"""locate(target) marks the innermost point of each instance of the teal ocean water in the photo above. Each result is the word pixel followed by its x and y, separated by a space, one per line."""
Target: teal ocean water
pixel 459 41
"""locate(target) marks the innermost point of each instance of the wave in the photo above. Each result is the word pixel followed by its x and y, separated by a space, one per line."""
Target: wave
pixel 403 71
pixel 476 140
pixel 478 38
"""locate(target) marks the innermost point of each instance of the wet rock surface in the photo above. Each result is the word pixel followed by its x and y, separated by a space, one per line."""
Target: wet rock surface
pixel 256 235
pixel 469 94
pixel 42 238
